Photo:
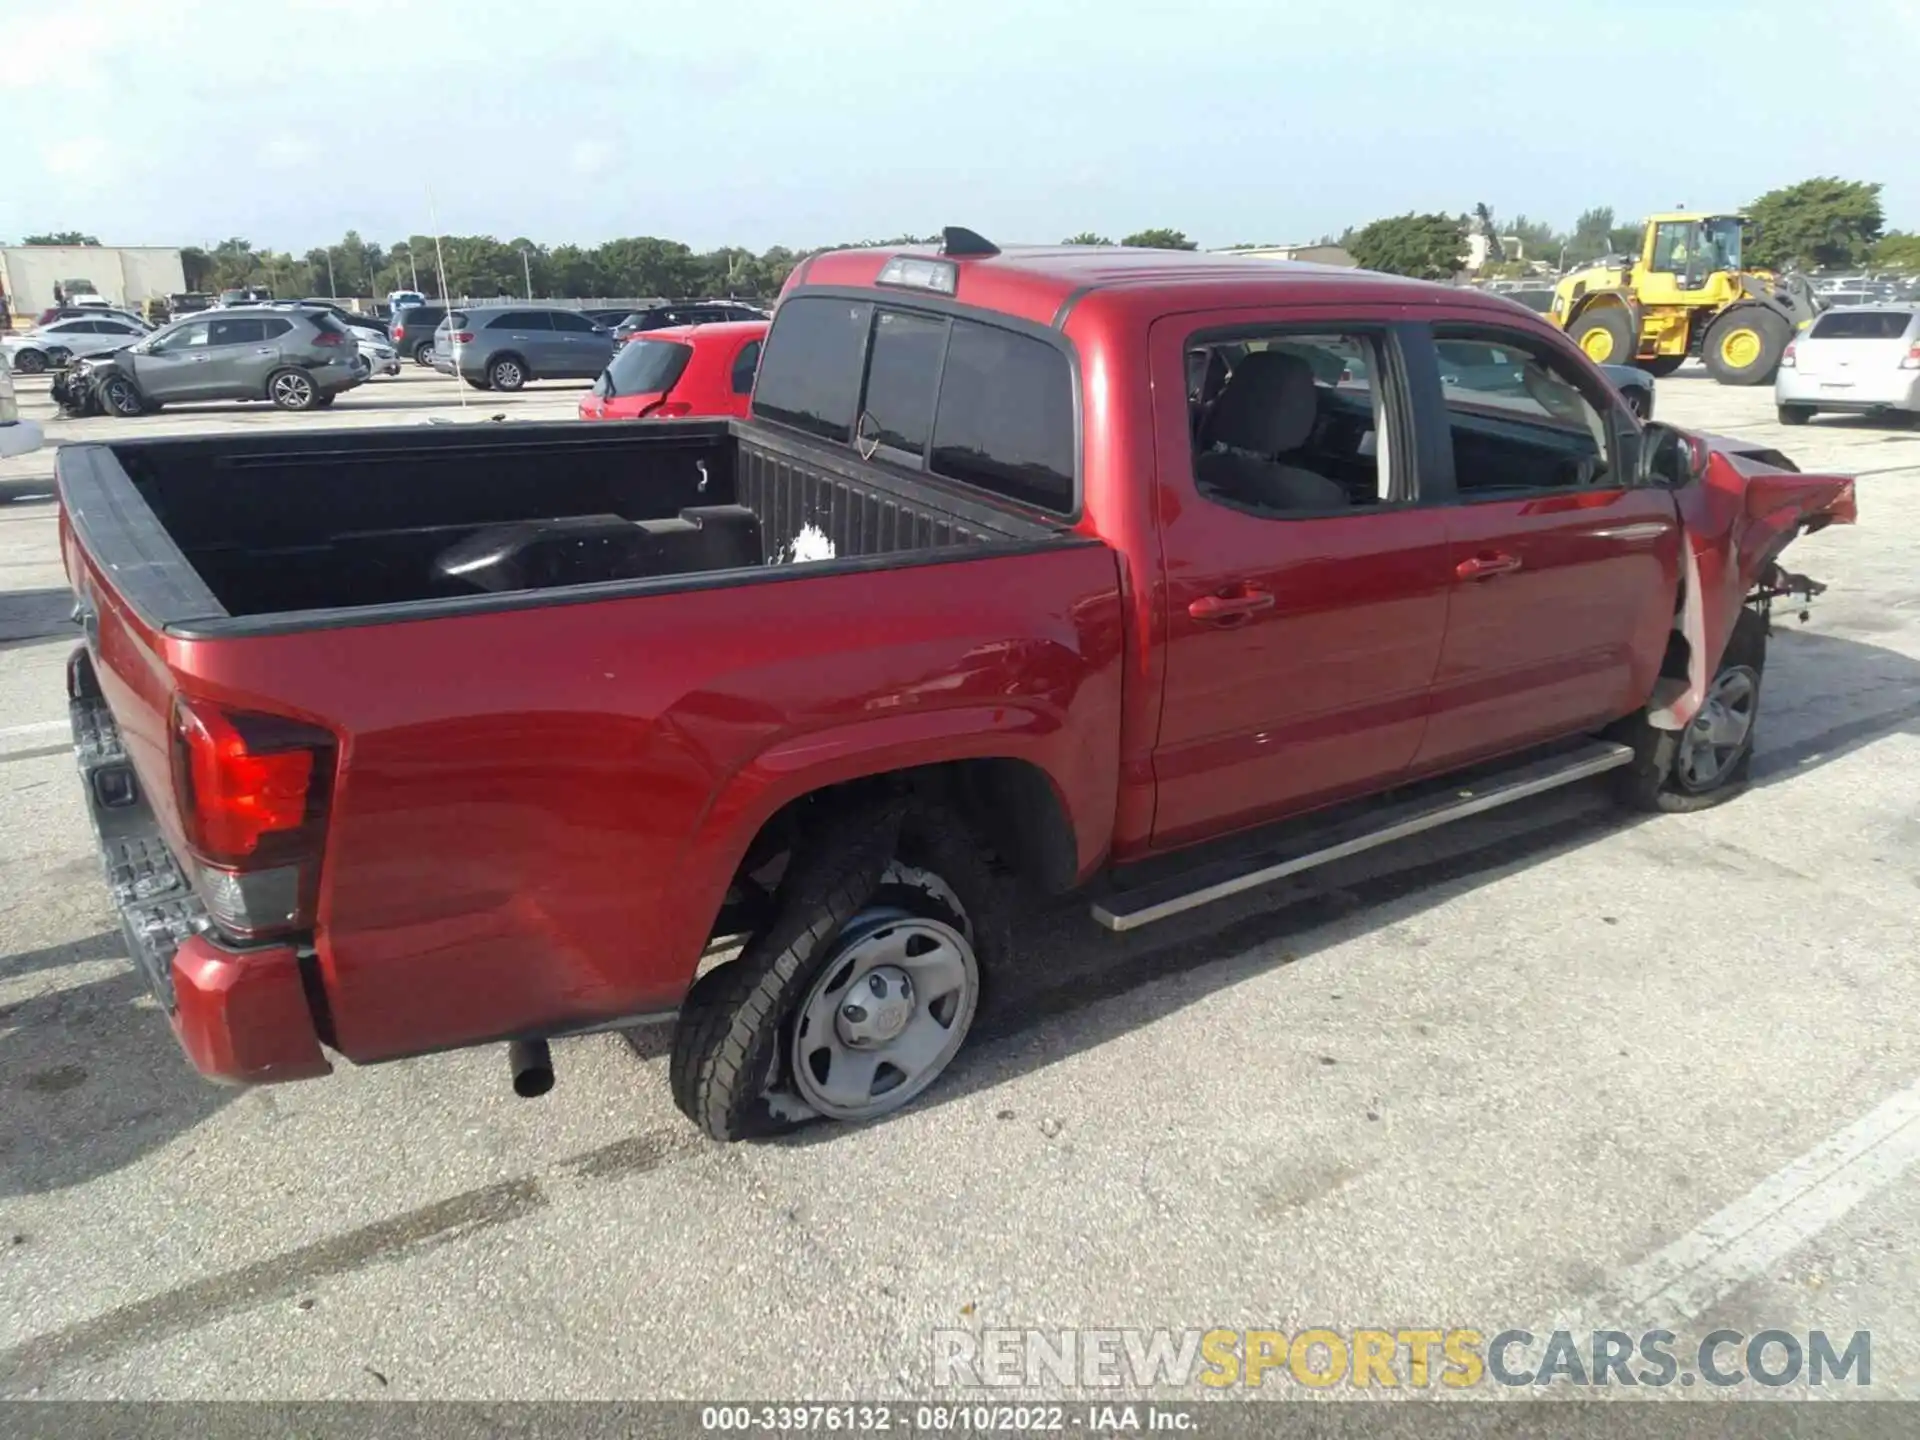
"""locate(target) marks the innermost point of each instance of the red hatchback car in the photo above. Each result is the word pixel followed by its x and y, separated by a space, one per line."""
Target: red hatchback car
pixel 704 370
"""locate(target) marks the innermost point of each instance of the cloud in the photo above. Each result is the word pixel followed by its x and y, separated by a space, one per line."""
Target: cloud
pixel 590 157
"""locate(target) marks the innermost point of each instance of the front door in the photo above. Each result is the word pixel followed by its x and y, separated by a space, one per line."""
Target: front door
pixel 1306 582
pixel 178 366
pixel 1562 574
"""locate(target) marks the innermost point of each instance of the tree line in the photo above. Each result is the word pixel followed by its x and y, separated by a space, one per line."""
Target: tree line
pixel 1820 223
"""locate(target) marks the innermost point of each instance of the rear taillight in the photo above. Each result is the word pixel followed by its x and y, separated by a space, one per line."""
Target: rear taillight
pixel 329 337
pixel 464 337
pixel 253 792
pixel 1912 362
pixel 1787 358
pixel 399 333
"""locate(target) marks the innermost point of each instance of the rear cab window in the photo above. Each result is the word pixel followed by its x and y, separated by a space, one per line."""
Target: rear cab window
pixel 1863 325
pixel 967 400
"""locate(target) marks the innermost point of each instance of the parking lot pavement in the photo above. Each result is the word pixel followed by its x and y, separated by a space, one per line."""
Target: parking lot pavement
pixel 1550 1064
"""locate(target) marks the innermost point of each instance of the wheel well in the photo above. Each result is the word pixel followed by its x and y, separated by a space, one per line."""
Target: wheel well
pixel 1600 300
pixel 1010 807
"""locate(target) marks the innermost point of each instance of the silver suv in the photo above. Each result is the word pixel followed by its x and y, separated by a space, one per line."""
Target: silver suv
pixel 502 347
pixel 299 359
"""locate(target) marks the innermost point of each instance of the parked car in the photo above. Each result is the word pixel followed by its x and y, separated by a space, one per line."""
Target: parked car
pixel 90 312
pixel 502 347
pixel 692 370
pixel 17 436
pixel 353 319
pixel 411 331
pixel 381 357
pixel 50 346
pixel 245 295
pixel 1856 360
pixel 975 604
pixel 299 359
pixel 684 312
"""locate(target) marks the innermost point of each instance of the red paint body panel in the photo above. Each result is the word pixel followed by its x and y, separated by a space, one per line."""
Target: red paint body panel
pixel 538 811
pixel 705 387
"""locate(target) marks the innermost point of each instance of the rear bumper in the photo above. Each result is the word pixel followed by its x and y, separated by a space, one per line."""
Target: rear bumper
pixel 241 1014
pixel 1902 392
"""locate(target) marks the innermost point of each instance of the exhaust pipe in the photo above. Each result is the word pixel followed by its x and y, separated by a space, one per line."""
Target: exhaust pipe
pixel 530 1063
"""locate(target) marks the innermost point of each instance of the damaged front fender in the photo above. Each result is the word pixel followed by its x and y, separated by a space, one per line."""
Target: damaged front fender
pixel 1743 508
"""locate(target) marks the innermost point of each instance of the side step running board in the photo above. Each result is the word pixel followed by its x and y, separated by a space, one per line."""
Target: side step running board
pixel 1396 820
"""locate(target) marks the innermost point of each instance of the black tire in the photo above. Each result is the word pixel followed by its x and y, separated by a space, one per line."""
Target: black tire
pixel 1795 414
pixel 119 396
pixel 1611 322
pixel 30 362
pixel 292 389
pixel 507 372
pixel 1655 780
pixel 423 353
pixel 730 1047
pixel 1744 345
pixel 1661 366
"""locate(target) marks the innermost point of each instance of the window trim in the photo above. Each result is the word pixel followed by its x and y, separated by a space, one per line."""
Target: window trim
pixel 939 306
pixel 1393 400
pixel 1433 418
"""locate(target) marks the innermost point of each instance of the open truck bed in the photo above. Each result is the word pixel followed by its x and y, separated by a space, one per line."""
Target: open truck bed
pixel 225 536
pixel 403 740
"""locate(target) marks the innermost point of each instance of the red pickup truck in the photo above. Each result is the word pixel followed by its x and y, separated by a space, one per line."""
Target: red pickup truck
pixel 1156 576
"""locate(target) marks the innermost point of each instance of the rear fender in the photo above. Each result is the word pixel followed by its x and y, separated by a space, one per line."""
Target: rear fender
pixel 803 765
pixel 1738 516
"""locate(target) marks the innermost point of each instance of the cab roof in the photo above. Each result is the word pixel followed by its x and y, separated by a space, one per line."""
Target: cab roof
pixel 1043 283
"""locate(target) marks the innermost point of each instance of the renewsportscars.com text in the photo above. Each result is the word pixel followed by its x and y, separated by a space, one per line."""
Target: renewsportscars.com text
pixel 1401 1358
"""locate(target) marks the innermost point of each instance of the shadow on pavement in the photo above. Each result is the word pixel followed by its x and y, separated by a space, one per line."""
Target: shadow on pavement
pixel 36 614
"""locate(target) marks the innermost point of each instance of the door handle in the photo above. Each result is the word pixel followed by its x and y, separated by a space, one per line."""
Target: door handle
pixel 1227 609
pixel 1481 567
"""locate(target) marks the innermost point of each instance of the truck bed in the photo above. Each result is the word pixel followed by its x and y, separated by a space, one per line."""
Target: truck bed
pixel 232 535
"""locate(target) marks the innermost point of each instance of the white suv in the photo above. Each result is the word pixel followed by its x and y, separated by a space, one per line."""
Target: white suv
pixel 1855 359
pixel 17 436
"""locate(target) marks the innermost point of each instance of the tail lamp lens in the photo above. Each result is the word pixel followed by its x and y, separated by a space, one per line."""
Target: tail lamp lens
pixel 463 337
pixel 1912 362
pixel 1787 359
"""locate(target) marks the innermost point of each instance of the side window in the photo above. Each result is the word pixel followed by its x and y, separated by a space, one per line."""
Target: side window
pixel 744 364
pixel 810 378
pixel 1293 423
pixel 1670 247
pixel 237 332
pixel 277 327
pixel 1520 416
pixel 188 337
pixel 71 327
pixel 903 366
pixel 570 322
pixel 1005 421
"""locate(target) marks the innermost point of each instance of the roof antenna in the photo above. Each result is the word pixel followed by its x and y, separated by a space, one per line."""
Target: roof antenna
pixel 958 240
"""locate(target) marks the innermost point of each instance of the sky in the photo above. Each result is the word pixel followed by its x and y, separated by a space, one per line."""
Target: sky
pixel 813 122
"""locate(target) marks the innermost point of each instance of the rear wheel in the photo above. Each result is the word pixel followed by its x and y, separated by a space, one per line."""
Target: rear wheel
pixel 1661 366
pixel 292 389
pixel 856 996
pixel 423 353
pixel 1744 346
pixel 508 372
pixel 1606 335
pixel 30 362
pixel 1795 414
pixel 1677 771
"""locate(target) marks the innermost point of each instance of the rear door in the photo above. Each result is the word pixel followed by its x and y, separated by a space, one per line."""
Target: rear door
pixel 239 357
pixel 1562 575
pixel 1300 640
pixel 1855 355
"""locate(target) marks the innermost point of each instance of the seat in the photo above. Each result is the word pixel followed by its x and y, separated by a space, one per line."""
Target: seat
pixel 1266 410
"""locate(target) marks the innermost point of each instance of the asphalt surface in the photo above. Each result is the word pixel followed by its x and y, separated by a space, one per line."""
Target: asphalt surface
pixel 1486 1078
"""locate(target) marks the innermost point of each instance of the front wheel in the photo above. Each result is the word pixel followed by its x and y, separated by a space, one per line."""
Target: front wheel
pixel 1744 346
pixel 120 397
pixel 1605 335
pixel 1706 764
pixel 858 994
pixel 30 362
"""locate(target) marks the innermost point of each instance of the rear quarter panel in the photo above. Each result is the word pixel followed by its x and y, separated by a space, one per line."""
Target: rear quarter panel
pixel 538 811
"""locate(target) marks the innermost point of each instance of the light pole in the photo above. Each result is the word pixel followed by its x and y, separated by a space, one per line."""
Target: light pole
pixel 526 267
pixel 332 292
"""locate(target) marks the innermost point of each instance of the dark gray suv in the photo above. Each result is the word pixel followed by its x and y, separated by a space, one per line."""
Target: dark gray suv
pixel 299 359
pixel 502 347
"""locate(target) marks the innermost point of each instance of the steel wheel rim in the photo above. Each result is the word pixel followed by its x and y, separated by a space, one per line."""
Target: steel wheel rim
pixel 855 1068
pixel 1712 745
pixel 1741 348
pixel 293 389
pixel 506 375
pixel 1598 343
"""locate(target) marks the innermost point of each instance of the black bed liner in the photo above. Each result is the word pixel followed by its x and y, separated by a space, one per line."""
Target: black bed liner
pixel 248 535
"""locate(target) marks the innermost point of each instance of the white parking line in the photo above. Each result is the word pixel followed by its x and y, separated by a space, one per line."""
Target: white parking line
pixel 39 727
pixel 1756 1232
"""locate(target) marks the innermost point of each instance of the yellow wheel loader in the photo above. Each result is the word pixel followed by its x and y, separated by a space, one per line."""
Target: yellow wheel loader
pixel 1686 293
